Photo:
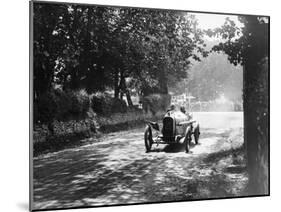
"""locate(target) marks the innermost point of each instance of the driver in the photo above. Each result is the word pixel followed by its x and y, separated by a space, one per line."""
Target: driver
pixel 171 108
pixel 182 109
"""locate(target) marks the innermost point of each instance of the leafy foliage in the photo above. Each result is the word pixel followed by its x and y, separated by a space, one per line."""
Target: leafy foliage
pixel 104 104
pixel 245 44
pixel 156 102
pixel 61 105
pixel 95 48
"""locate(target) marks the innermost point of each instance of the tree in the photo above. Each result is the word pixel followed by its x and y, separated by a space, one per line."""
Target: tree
pixel 249 47
pixel 108 48
pixel 162 44
pixel 46 48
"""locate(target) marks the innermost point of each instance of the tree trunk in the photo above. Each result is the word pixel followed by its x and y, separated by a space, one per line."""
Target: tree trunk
pixel 256 127
pixel 116 84
pixel 121 84
pixel 163 83
pixel 128 96
pixel 51 127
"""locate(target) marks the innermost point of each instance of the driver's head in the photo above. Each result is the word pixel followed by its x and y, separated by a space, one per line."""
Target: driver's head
pixel 172 107
pixel 182 109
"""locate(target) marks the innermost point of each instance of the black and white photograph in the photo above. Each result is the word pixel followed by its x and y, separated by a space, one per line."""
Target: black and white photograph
pixel 135 105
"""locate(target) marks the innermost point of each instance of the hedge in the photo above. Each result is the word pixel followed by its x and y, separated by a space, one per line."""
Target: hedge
pixel 103 104
pixel 61 105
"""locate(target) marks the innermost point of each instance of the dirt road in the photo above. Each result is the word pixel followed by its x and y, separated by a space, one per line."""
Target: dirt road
pixel 116 170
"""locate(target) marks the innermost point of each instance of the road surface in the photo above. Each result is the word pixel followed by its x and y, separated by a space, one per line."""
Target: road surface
pixel 116 170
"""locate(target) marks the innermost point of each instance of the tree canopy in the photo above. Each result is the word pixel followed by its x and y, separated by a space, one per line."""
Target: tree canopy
pixel 123 49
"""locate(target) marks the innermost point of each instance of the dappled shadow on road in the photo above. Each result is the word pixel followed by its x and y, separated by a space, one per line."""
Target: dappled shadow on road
pixel 96 185
pixel 118 171
pixel 218 172
pixel 227 175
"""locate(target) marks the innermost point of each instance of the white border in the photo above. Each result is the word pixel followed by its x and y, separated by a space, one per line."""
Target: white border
pixel 14 87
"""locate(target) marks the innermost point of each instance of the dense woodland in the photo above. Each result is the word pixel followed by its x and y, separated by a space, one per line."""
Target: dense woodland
pixel 104 49
pixel 81 53
pixel 100 48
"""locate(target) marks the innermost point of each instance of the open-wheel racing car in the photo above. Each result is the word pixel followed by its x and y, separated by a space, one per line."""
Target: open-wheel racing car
pixel 177 128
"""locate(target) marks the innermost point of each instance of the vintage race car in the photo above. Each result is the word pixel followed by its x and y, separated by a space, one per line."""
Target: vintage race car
pixel 177 128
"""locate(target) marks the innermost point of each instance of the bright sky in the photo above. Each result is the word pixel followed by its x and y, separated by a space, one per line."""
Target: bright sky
pixel 211 21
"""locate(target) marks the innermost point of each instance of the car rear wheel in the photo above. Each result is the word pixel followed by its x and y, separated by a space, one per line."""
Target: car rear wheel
pixel 196 134
pixel 148 138
pixel 187 139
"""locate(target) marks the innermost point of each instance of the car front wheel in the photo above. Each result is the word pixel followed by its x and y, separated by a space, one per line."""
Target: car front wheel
pixel 148 138
pixel 187 139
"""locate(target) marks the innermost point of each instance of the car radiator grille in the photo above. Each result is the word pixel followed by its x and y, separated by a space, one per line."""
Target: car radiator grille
pixel 168 127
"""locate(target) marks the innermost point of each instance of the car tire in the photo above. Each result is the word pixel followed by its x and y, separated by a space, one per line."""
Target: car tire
pixel 187 139
pixel 148 138
pixel 196 134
